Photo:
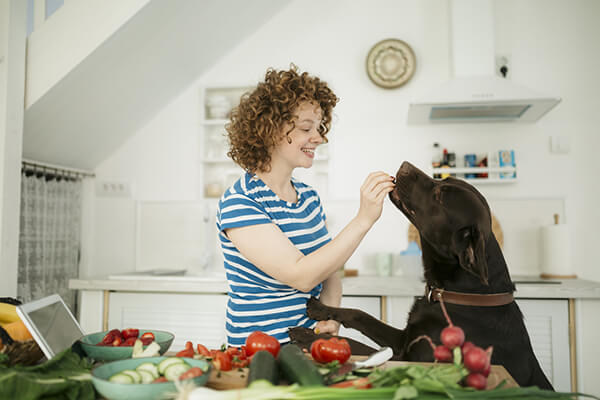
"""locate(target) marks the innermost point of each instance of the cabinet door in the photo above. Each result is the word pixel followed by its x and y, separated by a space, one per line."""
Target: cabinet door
pixel 547 322
pixel 370 305
pixel 199 318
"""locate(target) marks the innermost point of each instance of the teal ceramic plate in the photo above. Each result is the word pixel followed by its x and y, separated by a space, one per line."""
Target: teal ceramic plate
pixel 123 391
pixel 110 353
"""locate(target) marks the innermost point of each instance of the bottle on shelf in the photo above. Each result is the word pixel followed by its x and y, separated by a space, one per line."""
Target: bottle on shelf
pixel 436 159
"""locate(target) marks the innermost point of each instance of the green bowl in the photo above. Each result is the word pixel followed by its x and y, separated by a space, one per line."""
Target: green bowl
pixel 133 391
pixel 110 353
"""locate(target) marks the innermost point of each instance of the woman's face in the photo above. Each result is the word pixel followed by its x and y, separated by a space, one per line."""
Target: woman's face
pixel 304 137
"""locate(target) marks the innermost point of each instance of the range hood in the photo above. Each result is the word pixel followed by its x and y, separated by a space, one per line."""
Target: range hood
pixel 476 94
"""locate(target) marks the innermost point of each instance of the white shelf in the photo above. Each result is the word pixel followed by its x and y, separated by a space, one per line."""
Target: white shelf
pixel 473 170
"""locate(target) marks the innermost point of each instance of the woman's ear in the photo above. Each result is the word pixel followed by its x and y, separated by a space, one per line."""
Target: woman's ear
pixel 469 246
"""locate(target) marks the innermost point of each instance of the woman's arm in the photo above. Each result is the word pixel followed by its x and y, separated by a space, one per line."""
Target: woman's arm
pixel 267 247
pixel 331 295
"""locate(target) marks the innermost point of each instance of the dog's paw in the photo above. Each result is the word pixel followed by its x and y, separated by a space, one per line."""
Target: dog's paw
pixel 302 337
pixel 317 310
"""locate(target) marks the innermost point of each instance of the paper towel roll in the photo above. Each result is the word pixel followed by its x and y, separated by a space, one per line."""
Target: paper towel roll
pixel 555 260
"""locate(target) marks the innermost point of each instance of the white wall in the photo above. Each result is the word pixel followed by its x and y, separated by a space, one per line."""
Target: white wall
pixel 552 46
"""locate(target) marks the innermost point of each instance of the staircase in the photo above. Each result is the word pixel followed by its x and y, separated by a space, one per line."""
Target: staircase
pixel 98 70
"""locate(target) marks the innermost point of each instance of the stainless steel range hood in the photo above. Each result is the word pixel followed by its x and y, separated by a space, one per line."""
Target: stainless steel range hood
pixel 476 94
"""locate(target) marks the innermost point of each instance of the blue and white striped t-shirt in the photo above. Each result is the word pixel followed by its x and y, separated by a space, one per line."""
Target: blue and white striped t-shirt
pixel 256 300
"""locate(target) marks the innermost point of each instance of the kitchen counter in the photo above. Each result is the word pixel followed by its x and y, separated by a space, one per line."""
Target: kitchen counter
pixel 527 286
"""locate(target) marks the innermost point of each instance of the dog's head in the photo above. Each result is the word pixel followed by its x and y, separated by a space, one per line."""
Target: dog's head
pixel 451 216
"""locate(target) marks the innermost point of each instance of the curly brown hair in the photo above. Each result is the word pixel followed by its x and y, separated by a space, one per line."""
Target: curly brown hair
pixel 256 124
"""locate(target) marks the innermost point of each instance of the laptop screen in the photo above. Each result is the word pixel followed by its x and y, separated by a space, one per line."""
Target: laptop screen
pixel 51 324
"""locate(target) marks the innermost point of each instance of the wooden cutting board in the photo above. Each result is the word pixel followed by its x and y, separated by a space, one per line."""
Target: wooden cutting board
pixel 236 379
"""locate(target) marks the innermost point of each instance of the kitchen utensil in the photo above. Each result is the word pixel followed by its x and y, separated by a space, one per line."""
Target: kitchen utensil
pixel 122 391
pixel 110 353
pixel 375 359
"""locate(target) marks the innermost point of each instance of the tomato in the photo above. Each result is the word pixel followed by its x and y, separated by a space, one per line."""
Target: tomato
pixel 325 351
pixel 202 350
pixel 186 353
pixel 360 383
pixel 130 333
pixel 130 341
pixel 160 379
pixel 222 361
pixel 191 373
pixel 117 341
pixel 109 338
pixel 147 335
pixel 261 341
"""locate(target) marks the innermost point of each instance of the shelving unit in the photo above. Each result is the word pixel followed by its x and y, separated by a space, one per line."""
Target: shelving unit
pixel 495 174
pixel 219 171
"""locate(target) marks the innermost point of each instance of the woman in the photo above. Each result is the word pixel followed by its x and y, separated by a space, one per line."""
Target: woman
pixel 275 243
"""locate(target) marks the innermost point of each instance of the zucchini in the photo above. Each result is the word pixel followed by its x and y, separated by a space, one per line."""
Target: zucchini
pixel 121 378
pixel 146 375
pixel 137 378
pixel 150 367
pixel 164 364
pixel 297 368
pixel 263 366
pixel 174 370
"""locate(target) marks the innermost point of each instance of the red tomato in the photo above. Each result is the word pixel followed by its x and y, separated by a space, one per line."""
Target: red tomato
pixel 117 341
pixel 147 335
pixel 261 341
pixel 129 341
pixel 360 383
pixel 191 373
pixel 202 350
pixel 160 379
pixel 130 333
pixel 186 353
pixel 109 338
pixel 222 361
pixel 325 351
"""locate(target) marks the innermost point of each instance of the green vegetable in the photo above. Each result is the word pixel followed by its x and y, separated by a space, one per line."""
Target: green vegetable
pixel 263 366
pixel 150 367
pixel 65 376
pixel 121 378
pixel 296 367
pixel 164 364
pixel 174 370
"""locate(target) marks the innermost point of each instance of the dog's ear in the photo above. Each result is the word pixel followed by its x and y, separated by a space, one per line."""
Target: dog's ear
pixel 469 245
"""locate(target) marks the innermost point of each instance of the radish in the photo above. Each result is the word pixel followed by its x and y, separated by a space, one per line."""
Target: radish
pixel 476 381
pixel 476 359
pixel 442 353
pixel 466 347
pixel 452 336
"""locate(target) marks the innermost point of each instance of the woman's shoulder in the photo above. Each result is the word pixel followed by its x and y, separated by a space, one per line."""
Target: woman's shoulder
pixel 246 187
pixel 305 190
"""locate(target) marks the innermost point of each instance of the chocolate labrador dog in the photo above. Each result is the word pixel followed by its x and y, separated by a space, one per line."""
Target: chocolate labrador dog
pixel 464 266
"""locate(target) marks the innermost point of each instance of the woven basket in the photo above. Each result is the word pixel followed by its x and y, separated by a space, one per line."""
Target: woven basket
pixel 413 234
pixel 25 353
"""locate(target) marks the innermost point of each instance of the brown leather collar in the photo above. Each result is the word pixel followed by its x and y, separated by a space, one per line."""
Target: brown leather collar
pixel 468 299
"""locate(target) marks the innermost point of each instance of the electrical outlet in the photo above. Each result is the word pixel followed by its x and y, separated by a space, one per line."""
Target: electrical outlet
pixel 113 189
pixel 503 65
pixel 560 144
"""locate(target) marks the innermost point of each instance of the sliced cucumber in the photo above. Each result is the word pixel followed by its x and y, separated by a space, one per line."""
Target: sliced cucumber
pixel 164 364
pixel 137 378
pixel 173 371
pixel 150 367
pixel 147 376
pixel 121 378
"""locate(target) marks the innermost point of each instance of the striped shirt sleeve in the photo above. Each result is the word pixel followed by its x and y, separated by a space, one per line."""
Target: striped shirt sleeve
pixel 237 210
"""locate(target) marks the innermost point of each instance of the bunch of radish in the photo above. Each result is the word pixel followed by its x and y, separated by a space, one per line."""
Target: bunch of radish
pixel 455 349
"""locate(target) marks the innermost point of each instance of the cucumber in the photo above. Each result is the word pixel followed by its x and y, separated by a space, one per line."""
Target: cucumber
pixel 147 376
pixel 137 378
pixel 174 370
pixel 121 378
pixel 150 367
pixel 164 364
pixel 263 366
pixel 297 368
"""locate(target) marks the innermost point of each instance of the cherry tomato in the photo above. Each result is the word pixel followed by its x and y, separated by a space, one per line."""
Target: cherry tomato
pixel 109 338
pixel 202 350
pixel 130 333
pixel 222 361
pixel 129 341
pixel 191 373
pixel 117 341
pixel 147 338
pixel 185 353
pixel 325 351
pixel 261 341
pixel 360 383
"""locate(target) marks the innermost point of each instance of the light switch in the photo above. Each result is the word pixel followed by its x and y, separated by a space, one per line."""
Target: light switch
pixel 559 144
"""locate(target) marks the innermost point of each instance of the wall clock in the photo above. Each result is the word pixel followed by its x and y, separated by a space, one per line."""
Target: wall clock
pixel 390 63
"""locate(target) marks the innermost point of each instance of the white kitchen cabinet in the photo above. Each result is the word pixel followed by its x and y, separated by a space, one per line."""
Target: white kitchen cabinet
pixel 547 322
pixel 369 304
pixel 199 318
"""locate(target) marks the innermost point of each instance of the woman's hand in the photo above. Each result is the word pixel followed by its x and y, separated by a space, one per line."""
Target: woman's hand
pixel 372 192
pixel 330 326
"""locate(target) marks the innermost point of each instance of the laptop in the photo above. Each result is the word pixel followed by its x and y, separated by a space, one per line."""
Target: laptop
pixel 51 323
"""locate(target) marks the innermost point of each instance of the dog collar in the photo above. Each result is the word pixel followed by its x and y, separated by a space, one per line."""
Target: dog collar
pixel 468 299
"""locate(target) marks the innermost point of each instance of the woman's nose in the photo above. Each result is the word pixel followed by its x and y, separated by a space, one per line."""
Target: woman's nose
pixel 316 137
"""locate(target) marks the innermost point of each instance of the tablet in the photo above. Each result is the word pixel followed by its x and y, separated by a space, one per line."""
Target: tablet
pixel 51 323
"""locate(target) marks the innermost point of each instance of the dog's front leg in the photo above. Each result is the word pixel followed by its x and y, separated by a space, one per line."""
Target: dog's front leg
pixel 379 332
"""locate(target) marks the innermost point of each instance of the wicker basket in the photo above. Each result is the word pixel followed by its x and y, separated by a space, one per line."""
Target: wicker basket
pixel 25 353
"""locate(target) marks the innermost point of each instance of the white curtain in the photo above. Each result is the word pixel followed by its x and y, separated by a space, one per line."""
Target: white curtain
pixel 49 236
